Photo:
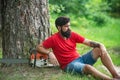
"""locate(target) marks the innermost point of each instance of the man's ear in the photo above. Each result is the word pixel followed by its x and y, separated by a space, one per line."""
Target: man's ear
pixel 59 28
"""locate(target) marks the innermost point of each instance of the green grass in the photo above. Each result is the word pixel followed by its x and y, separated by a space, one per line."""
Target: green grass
pixel 67 76
pixel 0 53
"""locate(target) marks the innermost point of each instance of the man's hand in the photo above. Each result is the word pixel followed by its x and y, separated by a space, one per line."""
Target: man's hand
pixel 53 59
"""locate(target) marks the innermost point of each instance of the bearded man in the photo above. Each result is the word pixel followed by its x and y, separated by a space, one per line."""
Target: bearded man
pixel 64 53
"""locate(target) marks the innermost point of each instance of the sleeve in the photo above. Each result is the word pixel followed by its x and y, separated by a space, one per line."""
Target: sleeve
pixel 78 38
pixel 48 43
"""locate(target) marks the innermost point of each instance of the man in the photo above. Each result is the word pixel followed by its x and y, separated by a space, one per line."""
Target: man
pixel 63 45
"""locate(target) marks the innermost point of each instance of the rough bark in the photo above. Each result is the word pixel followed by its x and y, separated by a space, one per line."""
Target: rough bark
pixel 0 15
pixel 25 23
pixel 0 26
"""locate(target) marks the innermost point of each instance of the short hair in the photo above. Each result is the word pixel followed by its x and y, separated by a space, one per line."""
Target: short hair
pixel 60 21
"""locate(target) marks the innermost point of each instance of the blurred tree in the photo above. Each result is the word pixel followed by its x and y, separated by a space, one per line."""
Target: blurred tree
pixel 68 6
pixel 115 7
pixel 90 9
pixel 25 23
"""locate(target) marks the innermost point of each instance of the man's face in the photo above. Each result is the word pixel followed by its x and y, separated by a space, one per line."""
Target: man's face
pixel 65 30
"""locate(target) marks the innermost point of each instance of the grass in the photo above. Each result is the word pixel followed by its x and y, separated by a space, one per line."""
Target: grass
pixel 26 72
pixel 75 77
pixel 0 53
pixel 107 34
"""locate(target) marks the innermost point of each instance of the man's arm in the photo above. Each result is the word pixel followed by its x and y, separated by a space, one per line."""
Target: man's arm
pixel 40 48
pixel 95 45
pixel 92 43
pixel 43 50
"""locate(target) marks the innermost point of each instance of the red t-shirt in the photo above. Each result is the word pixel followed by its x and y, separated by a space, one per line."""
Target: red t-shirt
pixel 64 50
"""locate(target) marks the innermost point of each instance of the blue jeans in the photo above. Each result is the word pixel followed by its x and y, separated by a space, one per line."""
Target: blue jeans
pixel 77 65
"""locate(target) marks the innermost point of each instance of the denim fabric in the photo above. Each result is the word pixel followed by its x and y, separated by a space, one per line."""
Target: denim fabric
pixel 78 64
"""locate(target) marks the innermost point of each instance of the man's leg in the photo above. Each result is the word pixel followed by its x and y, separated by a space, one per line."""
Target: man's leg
pixel 88 69
pixel 89 59
pixel 106 60
pixel 78 66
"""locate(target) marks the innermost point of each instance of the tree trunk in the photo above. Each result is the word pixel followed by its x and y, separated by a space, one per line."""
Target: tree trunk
pixel 0 26
pixel 0 16
pixel 25 23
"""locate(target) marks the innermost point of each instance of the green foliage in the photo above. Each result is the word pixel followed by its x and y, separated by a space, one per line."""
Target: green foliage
pixel 56 8
pixel 52 24
pixel 90 9
pixel 96 11
pixel 115 5
pixel 68 6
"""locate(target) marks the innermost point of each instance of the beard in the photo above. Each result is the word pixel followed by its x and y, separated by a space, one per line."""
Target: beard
pixel 66 33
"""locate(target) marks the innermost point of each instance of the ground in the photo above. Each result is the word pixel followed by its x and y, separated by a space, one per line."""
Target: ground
pixel 29 73
pixel 116 67
pixel 26 72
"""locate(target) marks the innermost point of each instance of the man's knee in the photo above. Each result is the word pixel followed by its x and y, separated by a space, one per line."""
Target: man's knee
pixel 96 53
pixel 96 50
pixel 87 68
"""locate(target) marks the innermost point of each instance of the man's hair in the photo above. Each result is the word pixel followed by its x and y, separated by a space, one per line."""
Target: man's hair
pixel 60 21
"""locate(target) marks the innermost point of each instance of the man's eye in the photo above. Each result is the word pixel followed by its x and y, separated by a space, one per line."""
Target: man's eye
pixel 67 26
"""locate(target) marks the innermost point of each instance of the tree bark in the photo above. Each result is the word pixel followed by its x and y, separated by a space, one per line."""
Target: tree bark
pixel 25 23
pixel 0 16
pixel 0 25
